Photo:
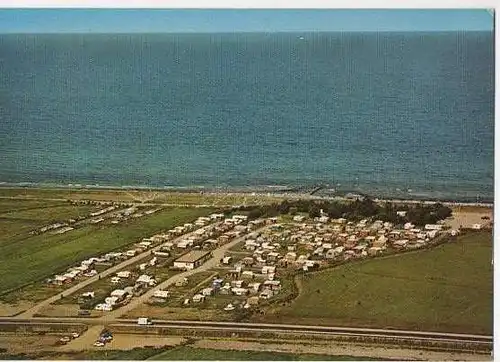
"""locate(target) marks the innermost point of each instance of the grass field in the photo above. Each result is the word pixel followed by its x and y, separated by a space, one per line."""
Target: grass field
pixel 183 353
pixel 37 257
pixel 448 288
pixel 184 198
pixel 19 217
pixel 189 353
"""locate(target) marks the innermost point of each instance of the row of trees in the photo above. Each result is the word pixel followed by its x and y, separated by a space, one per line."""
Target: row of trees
pixel 418 214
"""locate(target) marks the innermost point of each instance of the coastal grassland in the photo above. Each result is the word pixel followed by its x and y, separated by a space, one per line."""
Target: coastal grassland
pixel 448 288
pixel 19 217
pixel 11 205
pixel 51 213
pixel 129 196
pixel 38 257
pixel 183 353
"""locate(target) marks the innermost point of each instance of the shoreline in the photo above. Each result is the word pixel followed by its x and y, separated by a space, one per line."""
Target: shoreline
pixel 275 191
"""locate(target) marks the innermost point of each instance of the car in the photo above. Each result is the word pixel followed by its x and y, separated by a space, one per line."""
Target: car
pixel 65 339
pixel 75 335
pixel 485 218
pixel 98 344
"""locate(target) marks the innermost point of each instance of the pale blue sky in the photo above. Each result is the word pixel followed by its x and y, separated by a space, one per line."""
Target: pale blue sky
pixel 266 20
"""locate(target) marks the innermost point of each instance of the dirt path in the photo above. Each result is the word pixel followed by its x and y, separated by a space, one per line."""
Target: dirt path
pixel 130 341
pixel 340 349
pixel 85 341
pixel 120 341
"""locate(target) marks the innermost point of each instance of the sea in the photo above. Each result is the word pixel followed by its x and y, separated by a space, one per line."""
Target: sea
pixel 386 114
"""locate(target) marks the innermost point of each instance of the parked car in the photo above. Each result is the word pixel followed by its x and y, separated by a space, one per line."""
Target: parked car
pixel 75 335
pixel 65 339
pixel 106 336
pixel 98 344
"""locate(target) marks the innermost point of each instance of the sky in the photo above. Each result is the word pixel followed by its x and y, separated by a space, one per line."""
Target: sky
pixel 240 20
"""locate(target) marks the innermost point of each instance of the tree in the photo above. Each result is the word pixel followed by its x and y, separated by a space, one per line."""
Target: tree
pixel 334 211
pixel 442 212
pixel 314 211
pixel 255 213
pixel 284 207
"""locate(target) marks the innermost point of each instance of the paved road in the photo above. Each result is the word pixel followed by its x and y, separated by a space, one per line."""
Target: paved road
pixel 36 309
pixel 336 330
pixel 217 254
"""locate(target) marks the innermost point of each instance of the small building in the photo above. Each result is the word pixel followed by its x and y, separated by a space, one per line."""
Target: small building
pixel 400 243
pixel 408 226
pixel 146 279
pixel 145 244
pixel 433 227
pixel 239 291
pixel 89 295
pixel 198 298
pixel 192 259
pixel 131 252
pixel 323 219
pixel 111 300
pixel 272 284
pixel 161 294
pixel 104 307
pixel 207 291
pixel 247 274
pixel 299 218
pixel 123 274
pixel 162 254
pixel 119 294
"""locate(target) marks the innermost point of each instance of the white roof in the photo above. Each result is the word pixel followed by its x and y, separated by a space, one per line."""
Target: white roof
pixel 111 300
pixel 118 293
pixel 145 278
pixel 161 293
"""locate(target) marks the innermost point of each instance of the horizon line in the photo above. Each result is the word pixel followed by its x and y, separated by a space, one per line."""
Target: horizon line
pixel 246 32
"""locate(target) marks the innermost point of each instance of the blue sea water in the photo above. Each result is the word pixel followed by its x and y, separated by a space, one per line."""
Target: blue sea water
pixel 374 112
